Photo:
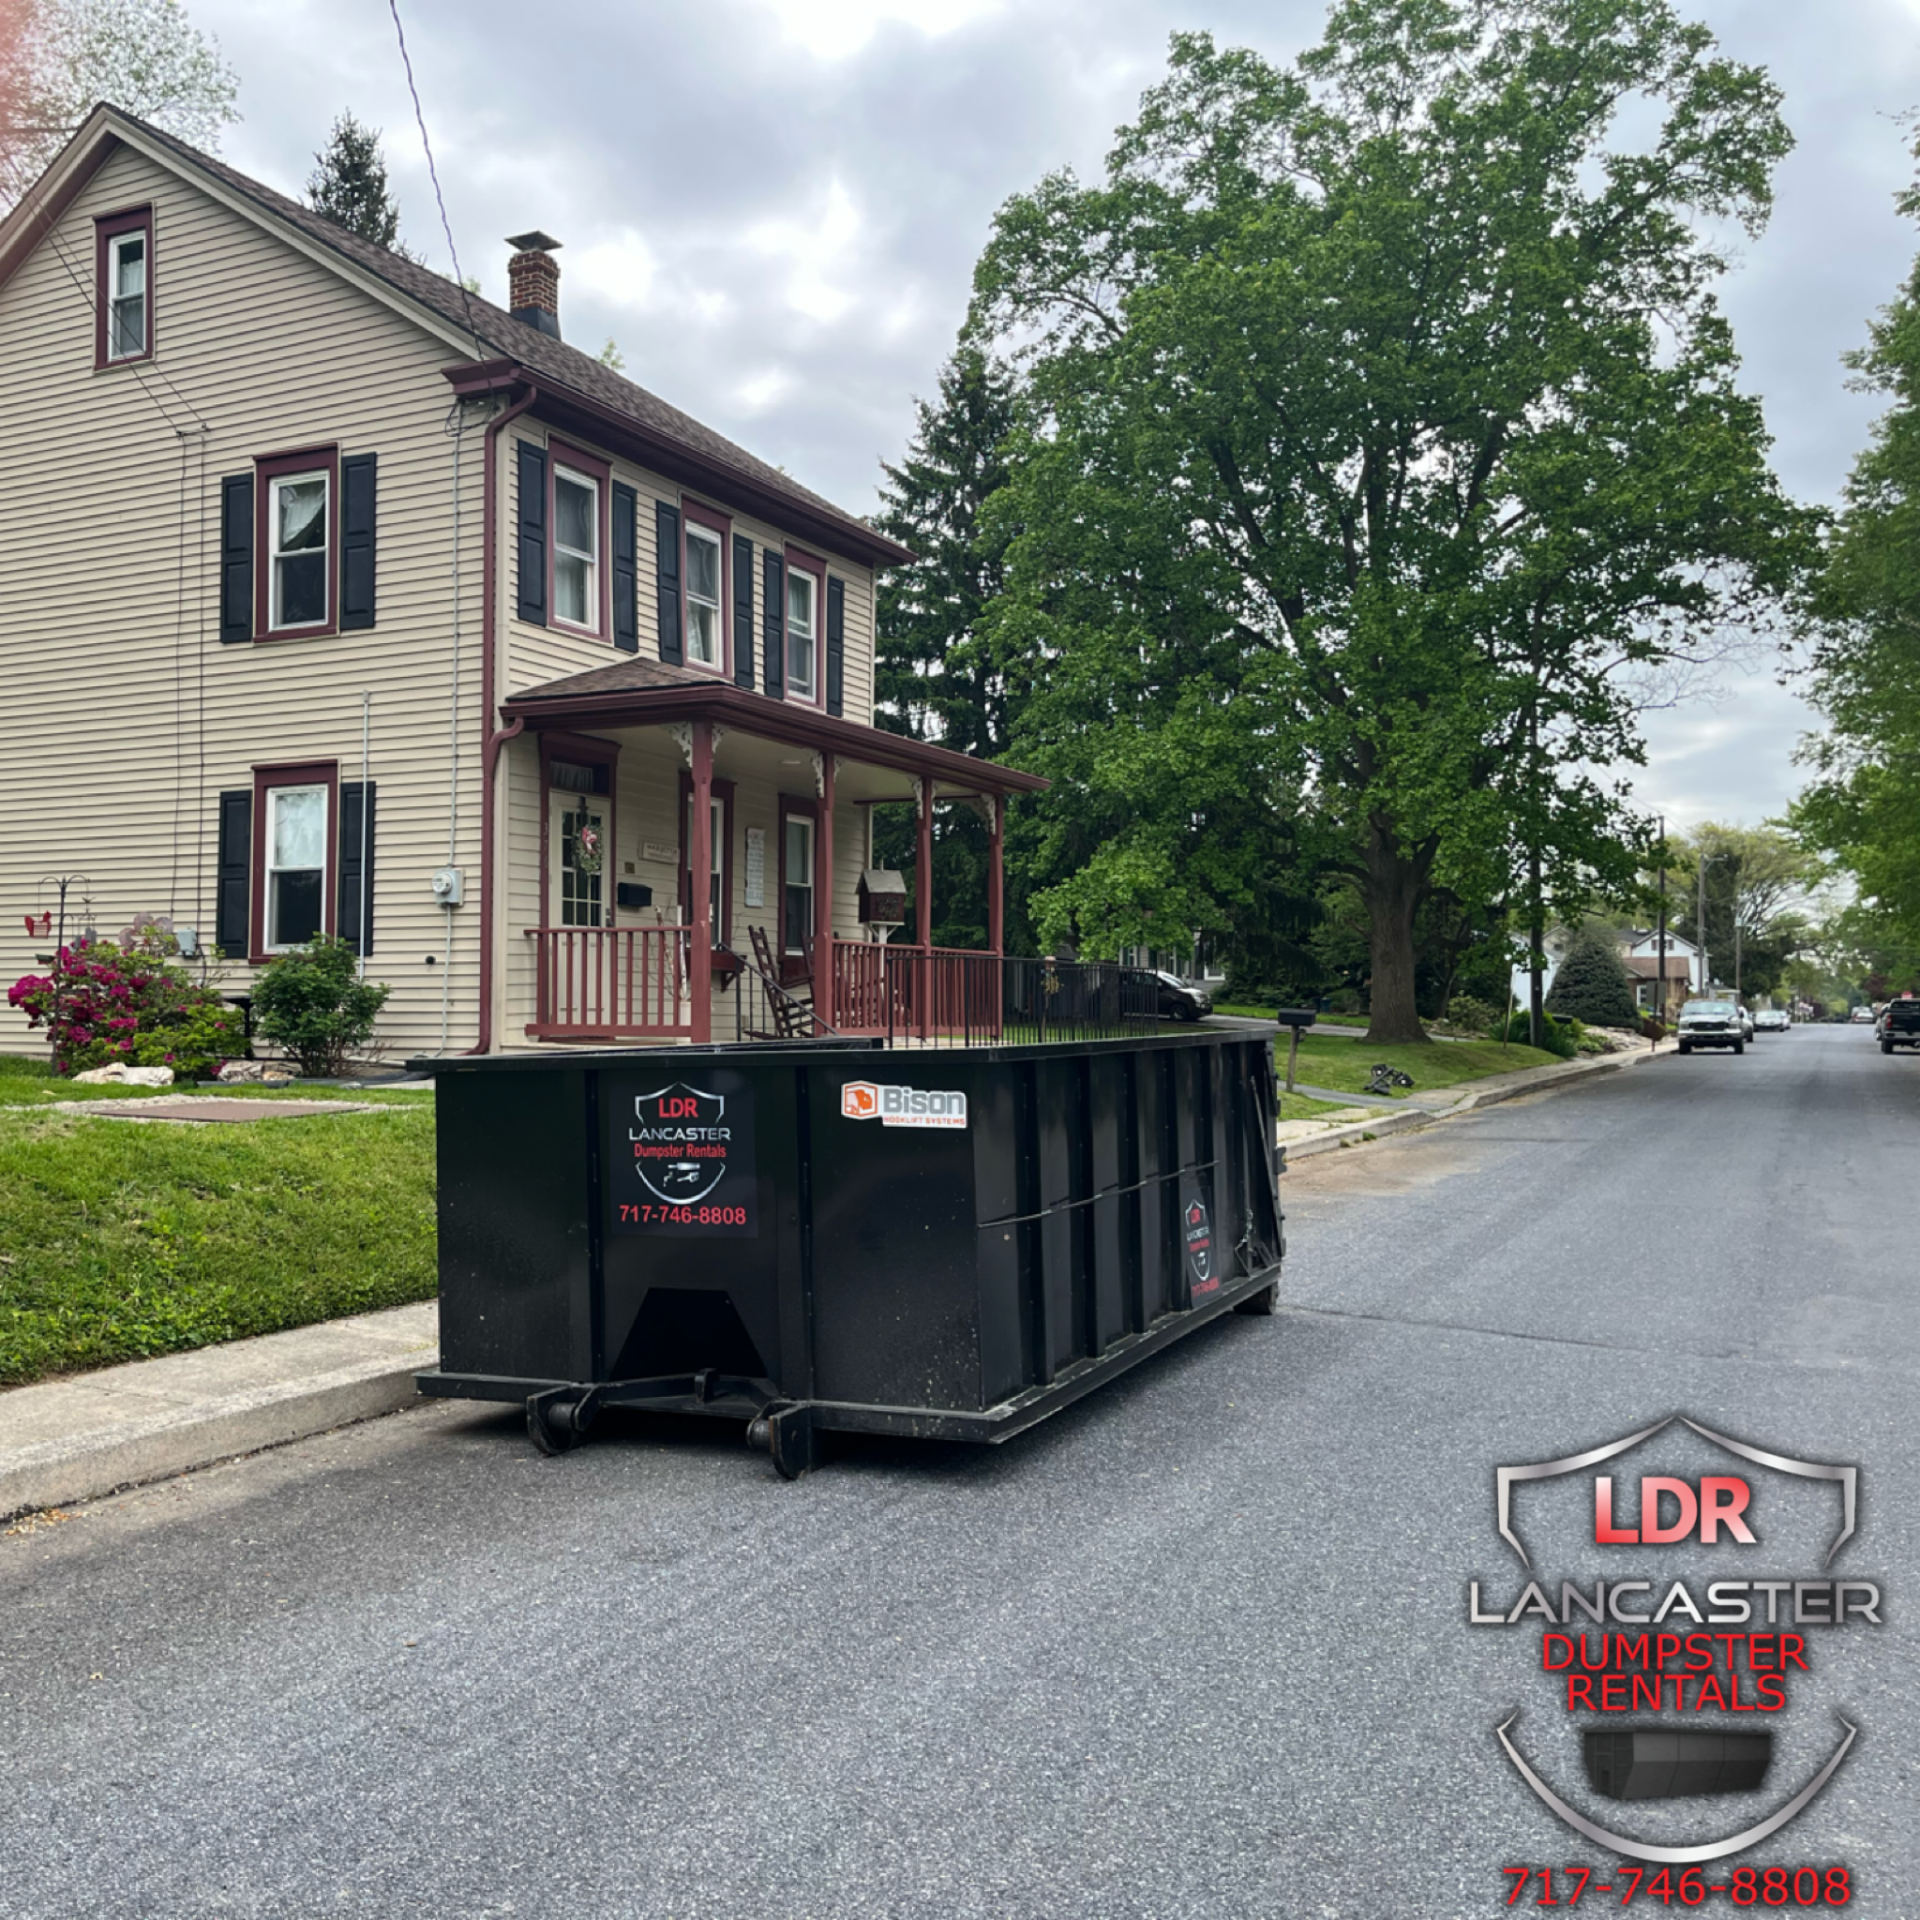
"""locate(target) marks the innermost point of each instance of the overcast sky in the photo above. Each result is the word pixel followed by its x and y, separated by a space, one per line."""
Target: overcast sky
pixel 774 207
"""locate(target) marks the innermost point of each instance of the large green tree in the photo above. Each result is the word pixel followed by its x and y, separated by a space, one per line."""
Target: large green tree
pixel 1386 443
pixel 1863 808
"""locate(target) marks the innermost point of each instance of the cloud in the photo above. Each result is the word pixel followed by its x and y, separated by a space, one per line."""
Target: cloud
pixel 775 205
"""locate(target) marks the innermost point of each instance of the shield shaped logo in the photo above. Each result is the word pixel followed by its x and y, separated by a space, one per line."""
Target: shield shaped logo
pixel 1199 1234
pixel 682 1143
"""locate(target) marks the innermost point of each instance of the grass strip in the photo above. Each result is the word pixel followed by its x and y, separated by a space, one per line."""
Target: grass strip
pixel 1333 1060
pixel 120 1240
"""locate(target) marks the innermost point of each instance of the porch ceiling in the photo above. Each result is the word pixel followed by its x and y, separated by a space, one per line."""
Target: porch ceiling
pixel 874 765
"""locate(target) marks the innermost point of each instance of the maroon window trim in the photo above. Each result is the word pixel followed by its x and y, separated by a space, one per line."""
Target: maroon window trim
pixel 562 453
pixel 584 750
pixel 723 792
pixel 312 773
pixel 813 564
pixel 695 513
pixel 793 966
pixel 110 226
pixel 268 468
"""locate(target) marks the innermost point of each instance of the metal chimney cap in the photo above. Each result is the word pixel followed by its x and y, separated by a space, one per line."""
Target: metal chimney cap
pixel 534 242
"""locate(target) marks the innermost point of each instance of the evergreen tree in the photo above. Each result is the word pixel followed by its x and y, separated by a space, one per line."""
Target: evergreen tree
pixel 935 677
pixel 1593 983
pixel 348 185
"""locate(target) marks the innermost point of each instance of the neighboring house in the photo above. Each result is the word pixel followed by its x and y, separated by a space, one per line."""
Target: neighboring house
pixel 1685 969
pixel 338 600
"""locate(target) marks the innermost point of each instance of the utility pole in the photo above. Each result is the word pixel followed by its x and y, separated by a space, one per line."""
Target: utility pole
pixel 1660 1006
pixel 1700 928
pixel 1536 930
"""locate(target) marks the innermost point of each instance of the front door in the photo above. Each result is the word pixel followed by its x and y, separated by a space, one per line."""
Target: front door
pixel 576 859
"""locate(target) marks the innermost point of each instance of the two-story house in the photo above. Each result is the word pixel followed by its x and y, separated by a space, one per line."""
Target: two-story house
pixel 336 599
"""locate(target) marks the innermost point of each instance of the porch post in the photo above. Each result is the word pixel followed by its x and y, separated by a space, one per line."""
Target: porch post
pixel 923 871
pixel 700 881
pixel 996 876
pixel 823 972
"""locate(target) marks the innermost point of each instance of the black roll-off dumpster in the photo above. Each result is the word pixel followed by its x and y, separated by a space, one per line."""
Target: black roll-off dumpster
pixel 941 1243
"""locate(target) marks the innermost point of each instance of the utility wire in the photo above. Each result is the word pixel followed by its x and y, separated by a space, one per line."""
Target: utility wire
pixel 433 174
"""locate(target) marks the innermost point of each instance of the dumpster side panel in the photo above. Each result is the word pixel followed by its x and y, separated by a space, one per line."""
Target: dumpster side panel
pixel 514 1252
pixel 1064 1280
pixel 895 1301
pixel 1004 1180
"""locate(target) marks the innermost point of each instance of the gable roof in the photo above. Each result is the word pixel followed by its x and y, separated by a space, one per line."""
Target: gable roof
pixel 473 326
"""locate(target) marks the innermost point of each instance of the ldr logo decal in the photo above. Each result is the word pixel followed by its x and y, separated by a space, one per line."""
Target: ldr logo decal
pixel 1197 1230
pixel 681 1143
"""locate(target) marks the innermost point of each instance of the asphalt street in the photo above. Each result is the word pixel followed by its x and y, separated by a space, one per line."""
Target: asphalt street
pixel 1198 1647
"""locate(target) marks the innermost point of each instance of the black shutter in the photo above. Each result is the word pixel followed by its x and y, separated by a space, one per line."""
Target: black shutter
pixel 773 628
pixel 666 567
pixel 236 557
pixel 743 612
pixel 357 513
pixel 836 643
pixel 346 917
pixel 533 533
pixel 626 570
pixel 233 881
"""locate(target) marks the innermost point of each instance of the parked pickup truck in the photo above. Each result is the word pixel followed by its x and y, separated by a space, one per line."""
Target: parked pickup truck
pixel 1900 1025
pixel 1711 1023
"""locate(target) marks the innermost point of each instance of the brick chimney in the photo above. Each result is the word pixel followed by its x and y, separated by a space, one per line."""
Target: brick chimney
pixel 533 281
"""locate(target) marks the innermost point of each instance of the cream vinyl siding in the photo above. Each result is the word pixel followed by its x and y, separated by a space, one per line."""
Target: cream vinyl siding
pixel 126 715
pixel 646 806
pixel 536 654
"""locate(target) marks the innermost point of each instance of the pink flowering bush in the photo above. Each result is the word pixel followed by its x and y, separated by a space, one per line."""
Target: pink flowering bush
pixel 130 1001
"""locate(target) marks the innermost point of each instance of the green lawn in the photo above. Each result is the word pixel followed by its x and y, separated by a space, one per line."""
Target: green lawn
pixel 1330 1060
pixel 118 1240
pixel 1300 1106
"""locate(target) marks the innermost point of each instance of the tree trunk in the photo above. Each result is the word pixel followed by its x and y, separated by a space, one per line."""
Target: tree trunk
pixel 1392 894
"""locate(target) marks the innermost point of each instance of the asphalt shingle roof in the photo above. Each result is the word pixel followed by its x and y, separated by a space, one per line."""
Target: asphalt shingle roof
pixel 500 335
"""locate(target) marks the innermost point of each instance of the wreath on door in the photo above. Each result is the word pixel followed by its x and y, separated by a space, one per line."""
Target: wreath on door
pixel 588 854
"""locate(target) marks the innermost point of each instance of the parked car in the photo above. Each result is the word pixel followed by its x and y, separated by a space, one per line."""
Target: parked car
pixel 1178 999
pixel 1711 1023
pixel 1900 1025
pixel 1772 1020
pixel 1862 1016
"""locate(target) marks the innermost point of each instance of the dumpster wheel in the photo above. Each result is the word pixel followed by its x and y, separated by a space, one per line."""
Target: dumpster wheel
pixel 557 1420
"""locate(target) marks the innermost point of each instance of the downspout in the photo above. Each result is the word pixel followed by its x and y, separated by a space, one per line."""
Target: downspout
pixel 491 740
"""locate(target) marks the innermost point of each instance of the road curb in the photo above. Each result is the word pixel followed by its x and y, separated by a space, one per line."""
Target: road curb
pixel 124 1427
pixel 1364 1132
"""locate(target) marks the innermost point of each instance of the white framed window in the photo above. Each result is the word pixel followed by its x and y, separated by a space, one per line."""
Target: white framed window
pixel 716 860
pixel 704 575
pixel 297 556
pixel 803 628
pixel 796 902
pixel 296 865
pixel 576 549
pixel 127 296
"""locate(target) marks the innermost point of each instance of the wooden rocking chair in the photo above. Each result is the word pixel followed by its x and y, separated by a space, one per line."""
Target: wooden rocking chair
pixel 792 1013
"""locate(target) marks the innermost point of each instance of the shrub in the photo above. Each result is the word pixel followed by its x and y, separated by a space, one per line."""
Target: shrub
pixel 312 1003
pixel 1557 1036
pixel 1593 983
pixel 130 1002
pixel 1468 1015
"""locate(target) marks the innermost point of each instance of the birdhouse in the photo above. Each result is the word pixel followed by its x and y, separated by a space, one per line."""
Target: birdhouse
pixel 883 900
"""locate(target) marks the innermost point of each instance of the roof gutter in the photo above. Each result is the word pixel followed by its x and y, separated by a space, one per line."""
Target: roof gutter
pixel 491 739
pixel 674 458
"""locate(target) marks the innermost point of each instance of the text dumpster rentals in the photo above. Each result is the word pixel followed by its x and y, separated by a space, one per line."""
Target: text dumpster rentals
pixel 942 1244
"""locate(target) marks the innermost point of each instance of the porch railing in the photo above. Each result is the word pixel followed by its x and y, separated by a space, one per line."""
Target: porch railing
pixel 594 981
pixel 949 997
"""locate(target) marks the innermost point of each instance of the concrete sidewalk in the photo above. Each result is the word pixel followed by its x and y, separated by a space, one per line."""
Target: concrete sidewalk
pixel 1304 1138
pixel 77 1438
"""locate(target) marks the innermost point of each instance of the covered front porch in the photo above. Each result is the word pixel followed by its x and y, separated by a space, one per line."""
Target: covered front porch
pixel 618 793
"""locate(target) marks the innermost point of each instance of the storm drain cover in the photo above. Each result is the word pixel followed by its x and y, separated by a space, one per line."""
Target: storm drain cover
pixel 205 1107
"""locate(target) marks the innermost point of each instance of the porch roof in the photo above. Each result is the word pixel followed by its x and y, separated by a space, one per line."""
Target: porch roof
pixel 638 692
